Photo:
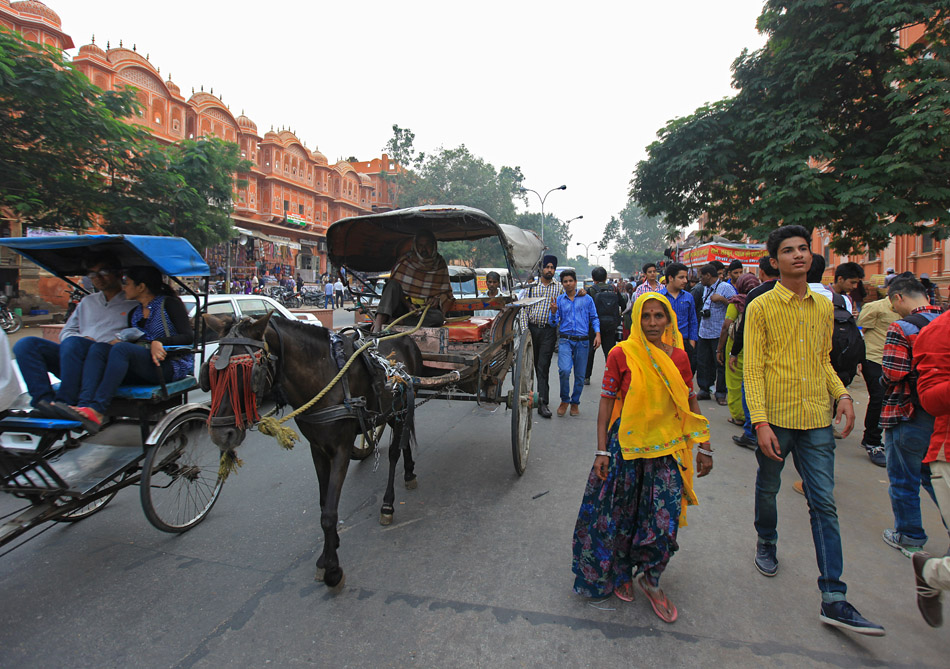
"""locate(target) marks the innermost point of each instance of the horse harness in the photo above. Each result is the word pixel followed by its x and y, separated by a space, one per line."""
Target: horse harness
pixel 261 369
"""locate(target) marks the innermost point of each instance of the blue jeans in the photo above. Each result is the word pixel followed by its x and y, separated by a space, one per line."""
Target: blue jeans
pixel 328 302
pixel 112 365
pixel 572 355
pixel 905 447
pixel 813 452
pixel 747 430
pixel 38 357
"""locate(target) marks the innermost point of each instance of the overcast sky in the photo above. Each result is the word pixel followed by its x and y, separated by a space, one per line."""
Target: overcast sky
pixel 572 92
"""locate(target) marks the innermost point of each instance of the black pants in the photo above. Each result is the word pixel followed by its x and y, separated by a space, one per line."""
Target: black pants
pixel 872 378
pixel 545 341
pixel 608 339
pixel 708 371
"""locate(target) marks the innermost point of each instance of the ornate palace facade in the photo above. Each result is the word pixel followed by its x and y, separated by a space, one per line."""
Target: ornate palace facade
pixel 293 192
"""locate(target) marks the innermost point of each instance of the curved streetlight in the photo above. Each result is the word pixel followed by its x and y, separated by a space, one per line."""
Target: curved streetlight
pixel 571 220
pixel 586 249
pixel 531 190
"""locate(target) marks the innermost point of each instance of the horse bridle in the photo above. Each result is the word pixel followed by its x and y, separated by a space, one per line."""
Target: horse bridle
pixel 259 370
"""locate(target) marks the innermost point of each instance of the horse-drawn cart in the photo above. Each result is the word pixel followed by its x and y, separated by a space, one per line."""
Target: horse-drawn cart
pixel 469 357
pixel 151 437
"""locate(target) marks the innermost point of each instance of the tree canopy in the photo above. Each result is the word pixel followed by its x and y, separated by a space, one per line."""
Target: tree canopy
pixel 835 125
pixel 69 158
pixel 637 239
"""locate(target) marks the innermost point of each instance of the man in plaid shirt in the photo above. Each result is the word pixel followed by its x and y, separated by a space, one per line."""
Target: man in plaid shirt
pixel 907 427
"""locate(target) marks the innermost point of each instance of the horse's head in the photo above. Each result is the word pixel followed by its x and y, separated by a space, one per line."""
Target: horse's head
pixel 238 375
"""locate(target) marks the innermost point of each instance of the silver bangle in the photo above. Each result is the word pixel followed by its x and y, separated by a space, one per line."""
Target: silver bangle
pixel 704 451
pixel 604 453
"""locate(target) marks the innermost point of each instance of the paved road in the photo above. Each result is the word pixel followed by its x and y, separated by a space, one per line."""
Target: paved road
pixel 475 570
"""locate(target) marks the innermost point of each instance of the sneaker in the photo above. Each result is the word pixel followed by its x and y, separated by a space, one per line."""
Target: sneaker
pixel 587 381
pixel 765 560
pixel 893 539
pixel 876 455
pixel 928 598
pixel 843 615
pixel 745 442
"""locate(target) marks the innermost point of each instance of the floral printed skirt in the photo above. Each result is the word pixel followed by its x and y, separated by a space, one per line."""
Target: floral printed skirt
pixel 628 523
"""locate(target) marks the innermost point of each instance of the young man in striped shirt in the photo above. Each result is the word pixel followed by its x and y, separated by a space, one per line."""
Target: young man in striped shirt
pixel 790 385
pixel 537 320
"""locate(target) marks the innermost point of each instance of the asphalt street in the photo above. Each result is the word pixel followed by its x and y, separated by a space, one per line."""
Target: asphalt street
pixel 474 571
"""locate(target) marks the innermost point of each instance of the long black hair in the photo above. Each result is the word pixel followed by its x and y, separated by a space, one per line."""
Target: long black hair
pixel 152 278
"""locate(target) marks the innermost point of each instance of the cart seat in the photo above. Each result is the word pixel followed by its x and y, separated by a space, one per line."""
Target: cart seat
pixel 12 423
pixel 155 392
pixel 469 330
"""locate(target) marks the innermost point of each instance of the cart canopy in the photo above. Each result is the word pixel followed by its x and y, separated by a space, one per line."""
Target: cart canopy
pixel 373 243
pixel 63 256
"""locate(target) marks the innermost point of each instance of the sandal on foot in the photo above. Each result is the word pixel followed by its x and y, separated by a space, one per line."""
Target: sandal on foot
pixel 625 592
pixel 735 422
pixel 84 415
pixel 662 606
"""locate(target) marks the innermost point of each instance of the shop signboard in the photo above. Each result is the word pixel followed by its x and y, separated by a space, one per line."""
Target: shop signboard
pixel 748 254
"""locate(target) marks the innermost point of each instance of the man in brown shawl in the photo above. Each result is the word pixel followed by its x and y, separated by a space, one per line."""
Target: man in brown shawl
pixel 419 278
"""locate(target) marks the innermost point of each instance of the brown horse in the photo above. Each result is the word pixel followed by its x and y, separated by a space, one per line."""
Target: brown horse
pixel 283 357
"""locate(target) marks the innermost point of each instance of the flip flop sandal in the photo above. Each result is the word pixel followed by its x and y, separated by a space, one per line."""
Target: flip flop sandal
pixel 662 606
pixel 82 414
pixel 625 592
pixel 732 420
pixel 47 409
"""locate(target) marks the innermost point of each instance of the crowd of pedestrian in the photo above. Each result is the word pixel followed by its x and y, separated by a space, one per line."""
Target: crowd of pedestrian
pixel 779 347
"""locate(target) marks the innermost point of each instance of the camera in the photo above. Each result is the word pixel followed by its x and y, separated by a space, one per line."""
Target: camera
pixel 707 313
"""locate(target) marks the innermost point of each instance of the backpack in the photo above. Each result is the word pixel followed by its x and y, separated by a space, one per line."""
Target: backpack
pixel 607 303
pixel 847 344
pixel 920 322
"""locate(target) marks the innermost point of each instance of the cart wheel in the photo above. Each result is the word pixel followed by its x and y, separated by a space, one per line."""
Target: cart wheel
pixel 364 450
pixel 93 506
pixel 522 402
pixel 180 481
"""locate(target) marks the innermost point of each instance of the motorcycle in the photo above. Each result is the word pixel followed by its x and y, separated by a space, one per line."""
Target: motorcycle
pixel 9 320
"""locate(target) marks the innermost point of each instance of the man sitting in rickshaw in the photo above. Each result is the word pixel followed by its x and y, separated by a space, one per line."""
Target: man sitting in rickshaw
pixel 419 278
pixel 97 318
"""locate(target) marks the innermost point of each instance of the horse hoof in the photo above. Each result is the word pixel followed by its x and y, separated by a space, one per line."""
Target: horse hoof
pixel 338 588
pixel 412 484
pixel 385 519
pixel 319 575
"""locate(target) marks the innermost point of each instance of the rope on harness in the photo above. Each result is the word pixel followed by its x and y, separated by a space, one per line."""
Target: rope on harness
pixel 229 464
pixel 286 436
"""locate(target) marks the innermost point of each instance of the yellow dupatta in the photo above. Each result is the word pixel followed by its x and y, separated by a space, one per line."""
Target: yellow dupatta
pixel 655 419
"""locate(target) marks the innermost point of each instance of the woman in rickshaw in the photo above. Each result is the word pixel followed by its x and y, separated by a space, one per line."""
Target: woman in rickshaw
pixel 420 277
pixel 641 481
pixel 138 354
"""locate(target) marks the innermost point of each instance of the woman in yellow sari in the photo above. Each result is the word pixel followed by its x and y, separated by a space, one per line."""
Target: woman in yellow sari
pixel 642 478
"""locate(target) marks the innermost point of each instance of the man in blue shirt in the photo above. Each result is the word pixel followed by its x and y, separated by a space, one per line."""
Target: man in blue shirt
pixel 683 306
pixel 574 316
pixel 716 294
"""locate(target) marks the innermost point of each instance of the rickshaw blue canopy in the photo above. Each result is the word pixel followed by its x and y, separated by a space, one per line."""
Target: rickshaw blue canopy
pixel 63 256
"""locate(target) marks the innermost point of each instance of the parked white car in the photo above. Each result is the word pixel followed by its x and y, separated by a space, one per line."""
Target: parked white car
pixel 239 305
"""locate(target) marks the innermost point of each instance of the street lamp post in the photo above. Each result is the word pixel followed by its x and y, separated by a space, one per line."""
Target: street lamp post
pixel 571 220
pixel 531 190
pixel 586 249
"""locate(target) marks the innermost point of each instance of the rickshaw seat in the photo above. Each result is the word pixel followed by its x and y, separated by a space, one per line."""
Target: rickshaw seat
pixel 155 392
pixel 11 423
pixel 469 330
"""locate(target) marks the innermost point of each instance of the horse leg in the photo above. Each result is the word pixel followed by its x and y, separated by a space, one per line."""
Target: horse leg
pixel 409 465
pixel 329 516
pixel 387 510
pixel 322 464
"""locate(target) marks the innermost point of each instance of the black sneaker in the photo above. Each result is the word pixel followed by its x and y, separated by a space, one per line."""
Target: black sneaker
pixel 765 560
pixel 843 615
pixel 745 442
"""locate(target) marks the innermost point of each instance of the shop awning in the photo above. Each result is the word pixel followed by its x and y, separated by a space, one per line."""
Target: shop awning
pixel 280 241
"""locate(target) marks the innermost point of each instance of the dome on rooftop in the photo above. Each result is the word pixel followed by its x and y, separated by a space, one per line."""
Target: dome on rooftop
pixel 37 8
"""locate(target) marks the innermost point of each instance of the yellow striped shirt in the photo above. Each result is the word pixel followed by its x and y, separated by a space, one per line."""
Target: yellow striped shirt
pixel 789 380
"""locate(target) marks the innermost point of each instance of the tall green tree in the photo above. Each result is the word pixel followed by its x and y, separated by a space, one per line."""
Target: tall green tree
pixel 63 139
pixel 182 190
pixel 836 125
pixel 557 235
pixel 637 239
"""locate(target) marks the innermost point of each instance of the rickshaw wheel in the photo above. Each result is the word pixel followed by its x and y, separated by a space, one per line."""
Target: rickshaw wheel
pixel 180 481
pixel 522 403
pixel 364 450
pixel 94 506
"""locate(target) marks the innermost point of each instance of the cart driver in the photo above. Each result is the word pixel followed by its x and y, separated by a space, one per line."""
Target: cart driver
pixel 419 278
